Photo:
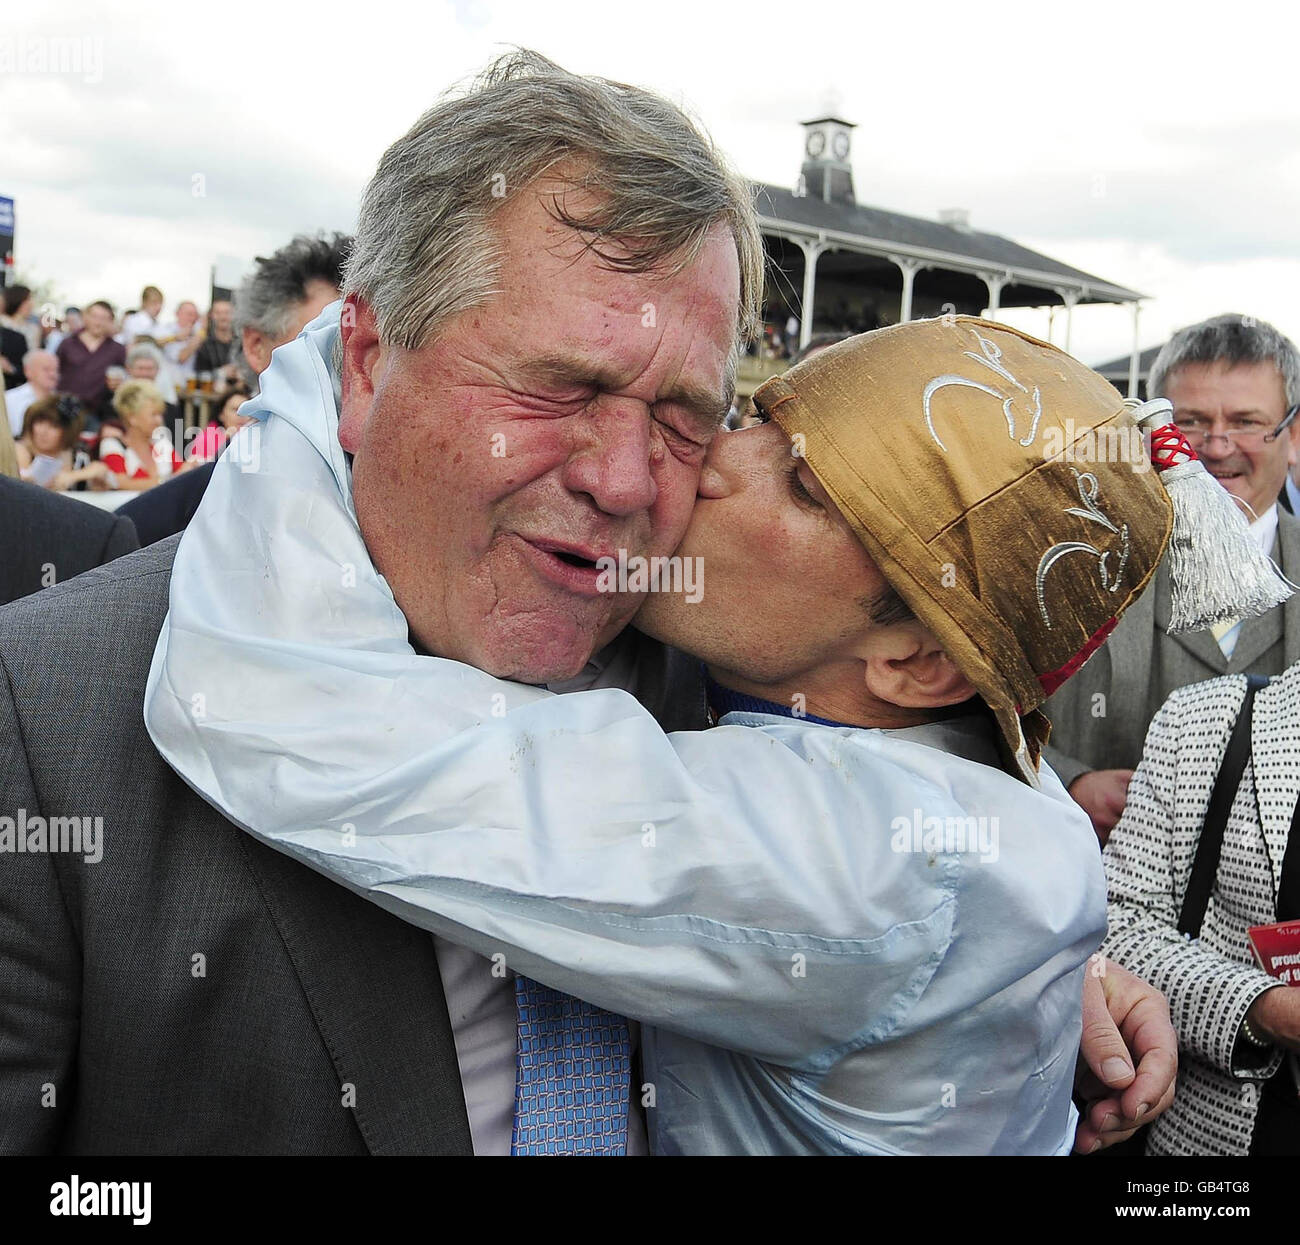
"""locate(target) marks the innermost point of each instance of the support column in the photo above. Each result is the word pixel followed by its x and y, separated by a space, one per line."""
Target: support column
pixel 909 269
pixel 811 250
pixel 1134 359
pixel 1069 298
pixel 995 284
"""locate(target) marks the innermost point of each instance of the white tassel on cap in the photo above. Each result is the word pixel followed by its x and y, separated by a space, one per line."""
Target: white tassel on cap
pixel 1216 569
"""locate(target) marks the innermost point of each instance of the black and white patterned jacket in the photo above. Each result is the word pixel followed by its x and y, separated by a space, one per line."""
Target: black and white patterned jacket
pixel 1210 982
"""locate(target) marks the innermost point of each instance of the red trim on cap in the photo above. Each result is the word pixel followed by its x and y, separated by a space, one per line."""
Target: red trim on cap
pixel 1054 678
pixel 1169 448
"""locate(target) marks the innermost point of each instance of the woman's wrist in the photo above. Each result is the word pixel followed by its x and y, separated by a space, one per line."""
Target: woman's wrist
pixel 1258 1025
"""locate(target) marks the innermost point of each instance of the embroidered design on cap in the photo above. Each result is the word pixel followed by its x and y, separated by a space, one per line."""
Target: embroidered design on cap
pixel 992 359
pixel 1088 490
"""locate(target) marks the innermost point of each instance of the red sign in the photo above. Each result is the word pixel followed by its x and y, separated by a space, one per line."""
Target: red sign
pixel 1277 950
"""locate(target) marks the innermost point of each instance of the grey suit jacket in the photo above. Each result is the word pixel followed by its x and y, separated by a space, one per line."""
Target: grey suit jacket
pixel 1100 717
pixel 194 991
pixel 49 538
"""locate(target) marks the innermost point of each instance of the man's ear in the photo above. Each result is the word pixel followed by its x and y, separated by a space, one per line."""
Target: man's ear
pixel 908 666
pixel 360 338
pixel 256 349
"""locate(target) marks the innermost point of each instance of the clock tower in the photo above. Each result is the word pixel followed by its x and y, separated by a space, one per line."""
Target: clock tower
pixel 827 173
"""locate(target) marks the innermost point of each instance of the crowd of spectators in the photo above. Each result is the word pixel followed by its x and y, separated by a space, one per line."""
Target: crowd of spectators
pixel 94 398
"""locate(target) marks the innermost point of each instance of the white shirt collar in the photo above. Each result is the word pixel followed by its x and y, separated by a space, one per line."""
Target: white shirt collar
pixel 1264 530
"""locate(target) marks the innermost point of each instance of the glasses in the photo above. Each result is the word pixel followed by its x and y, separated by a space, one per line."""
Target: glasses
pixel 1249 434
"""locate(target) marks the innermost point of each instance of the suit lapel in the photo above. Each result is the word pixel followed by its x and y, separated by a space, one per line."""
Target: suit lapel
pixel 1259 634
pixel 374 989
pixel 1130 659
pixel 1199 644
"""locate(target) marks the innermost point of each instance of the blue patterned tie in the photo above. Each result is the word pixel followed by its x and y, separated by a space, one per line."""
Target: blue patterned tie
pixel 573 1075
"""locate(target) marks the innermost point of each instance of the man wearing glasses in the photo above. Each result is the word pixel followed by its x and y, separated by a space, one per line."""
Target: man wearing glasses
pixel 1234 382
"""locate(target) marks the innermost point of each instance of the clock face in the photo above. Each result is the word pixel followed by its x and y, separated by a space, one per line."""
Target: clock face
pixel 816 143
pixel 841 145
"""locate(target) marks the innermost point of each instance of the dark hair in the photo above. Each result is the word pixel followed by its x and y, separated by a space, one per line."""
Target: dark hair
pixel 887 608
pixel 270 296
pixel 238 390
pixel 102 302
pixel 15 297
pixel 61 409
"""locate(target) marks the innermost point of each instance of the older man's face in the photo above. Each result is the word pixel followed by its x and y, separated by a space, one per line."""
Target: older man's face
pixel 43 372
pixel 563 421
pixel 1251 398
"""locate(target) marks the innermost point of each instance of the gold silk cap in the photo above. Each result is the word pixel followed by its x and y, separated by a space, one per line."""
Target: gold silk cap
pixel 1001 487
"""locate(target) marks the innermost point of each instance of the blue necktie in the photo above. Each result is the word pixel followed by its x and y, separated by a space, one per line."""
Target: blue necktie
pixel 573 1075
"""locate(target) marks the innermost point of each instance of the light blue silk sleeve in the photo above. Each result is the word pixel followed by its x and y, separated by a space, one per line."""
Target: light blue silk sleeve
pixel 739 886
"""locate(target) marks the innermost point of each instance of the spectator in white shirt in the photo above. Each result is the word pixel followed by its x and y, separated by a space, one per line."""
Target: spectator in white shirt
pixel 145 322
pixel 180 341
pixel 42 370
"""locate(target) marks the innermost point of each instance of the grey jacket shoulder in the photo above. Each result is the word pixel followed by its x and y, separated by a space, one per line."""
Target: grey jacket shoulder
pixel 104 615
pixel 304 986
pixel 75 658
pixel 47 531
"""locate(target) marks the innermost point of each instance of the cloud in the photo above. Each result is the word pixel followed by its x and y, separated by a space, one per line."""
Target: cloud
pixel 1151 152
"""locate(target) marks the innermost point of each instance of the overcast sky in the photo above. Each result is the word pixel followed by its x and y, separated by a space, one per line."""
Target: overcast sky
pixel 1134 140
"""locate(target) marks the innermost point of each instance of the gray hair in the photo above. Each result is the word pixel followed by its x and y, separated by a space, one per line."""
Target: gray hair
pixel 36 354
pixel 1231 339
pixel 425 247
pixel 146 350
pixel 270 295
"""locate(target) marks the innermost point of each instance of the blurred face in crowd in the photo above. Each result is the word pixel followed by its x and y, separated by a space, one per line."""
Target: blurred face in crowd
pixel 187 315
pixel 99 322
pixel 1251 398
pixel 223 315
pixel 554 425
pixel 144 368
pixel 231 419
pixel 145 419
pixel 789 592
pixel 74 322
pixel 258 345
pixel 47 436
pixel 43 372
pixel 153 304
